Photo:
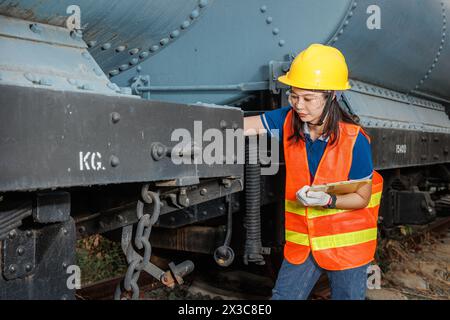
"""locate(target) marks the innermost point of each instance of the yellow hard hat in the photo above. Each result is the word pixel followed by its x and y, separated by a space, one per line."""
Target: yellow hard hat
pixel 319 67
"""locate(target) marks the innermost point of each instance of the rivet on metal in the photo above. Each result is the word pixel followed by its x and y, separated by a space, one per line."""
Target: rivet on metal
pixel 106 46
pixel 114 161
pixel 143 55
pixel 91 43
pixel 120 48
pixel 223 124
pixel 275 31
pixel 12 268
pixel 115 117
pixel 194 14
pixel 174 34
pixel 185 24
pixel 263 9
pixel 164 41
pixel 134 61
pixel 28 267
pixel 20 250
pixel 12 234
pixel 133 51
pixel 35 28
pixel 154 48
pixel 269 20
pixel 114 72
pixel 203 3
pixel 281 43
pixel 123 67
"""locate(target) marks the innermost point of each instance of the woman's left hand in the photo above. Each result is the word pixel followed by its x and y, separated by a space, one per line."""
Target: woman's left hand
pixel 312 198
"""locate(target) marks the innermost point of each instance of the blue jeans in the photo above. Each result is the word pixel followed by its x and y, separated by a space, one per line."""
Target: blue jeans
pixel 295 282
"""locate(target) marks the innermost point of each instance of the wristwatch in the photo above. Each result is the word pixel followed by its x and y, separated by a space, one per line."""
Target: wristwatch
pixel 332 203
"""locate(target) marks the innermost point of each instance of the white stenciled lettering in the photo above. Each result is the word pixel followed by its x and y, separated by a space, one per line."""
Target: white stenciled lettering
pixel 90 161
pixel 400 148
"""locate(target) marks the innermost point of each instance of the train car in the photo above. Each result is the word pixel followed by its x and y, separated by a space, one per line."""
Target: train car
pixel 95 97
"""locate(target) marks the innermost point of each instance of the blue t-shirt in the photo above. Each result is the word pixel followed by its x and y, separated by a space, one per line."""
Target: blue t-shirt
pixel 362 165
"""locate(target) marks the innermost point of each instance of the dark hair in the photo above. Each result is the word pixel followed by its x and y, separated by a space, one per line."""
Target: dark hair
pixel 331 128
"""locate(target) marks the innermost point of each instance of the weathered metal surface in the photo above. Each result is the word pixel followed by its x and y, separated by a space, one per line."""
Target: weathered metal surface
pixel 54 139
pixel 54 263
pixel 393 148
pixel 120 34
pixel 38 55
pixel 52 207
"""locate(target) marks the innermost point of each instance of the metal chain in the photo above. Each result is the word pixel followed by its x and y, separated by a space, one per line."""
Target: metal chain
pixel 137 262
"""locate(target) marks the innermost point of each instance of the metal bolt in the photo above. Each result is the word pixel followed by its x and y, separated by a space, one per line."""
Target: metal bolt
pixel 174 34
pixel 12 234
pixel 203 3
pixel 194 14
pixel 115 117
pixel 28 267
pixel 120 48
pixel 143 55
pixel 154 48
pixel 35 28
pixel 114 161
pixel 114 72
pixel 12 268
pixel 133 51
pixel 76 34
pixel 64 231
pixel 106 46
pixel 134 61
pixel 164 41
pixel 185 24
pixel 203 191
pixel 64 265
pixel 223 124
pixel 20 250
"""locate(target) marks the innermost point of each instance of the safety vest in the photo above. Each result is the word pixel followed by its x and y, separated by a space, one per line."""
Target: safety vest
pixel 338 239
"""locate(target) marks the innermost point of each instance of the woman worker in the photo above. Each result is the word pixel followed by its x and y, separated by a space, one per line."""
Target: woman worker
pixel 322 144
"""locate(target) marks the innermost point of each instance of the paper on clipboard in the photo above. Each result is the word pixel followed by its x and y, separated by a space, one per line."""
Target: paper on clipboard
pixel 342 187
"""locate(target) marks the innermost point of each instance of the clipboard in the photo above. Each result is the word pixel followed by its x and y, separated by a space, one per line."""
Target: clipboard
pixel 342 187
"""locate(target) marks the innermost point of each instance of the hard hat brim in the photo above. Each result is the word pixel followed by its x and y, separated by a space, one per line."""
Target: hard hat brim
pixel 285 80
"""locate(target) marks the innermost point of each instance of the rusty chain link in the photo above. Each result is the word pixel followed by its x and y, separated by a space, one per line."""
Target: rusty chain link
pixel 137 262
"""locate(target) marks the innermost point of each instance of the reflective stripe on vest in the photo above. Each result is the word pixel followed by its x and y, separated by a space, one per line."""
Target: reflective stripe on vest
pixel 332 241
pixel 314 212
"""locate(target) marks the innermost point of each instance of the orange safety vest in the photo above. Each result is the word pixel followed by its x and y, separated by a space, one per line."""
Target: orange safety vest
pixel 338 239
